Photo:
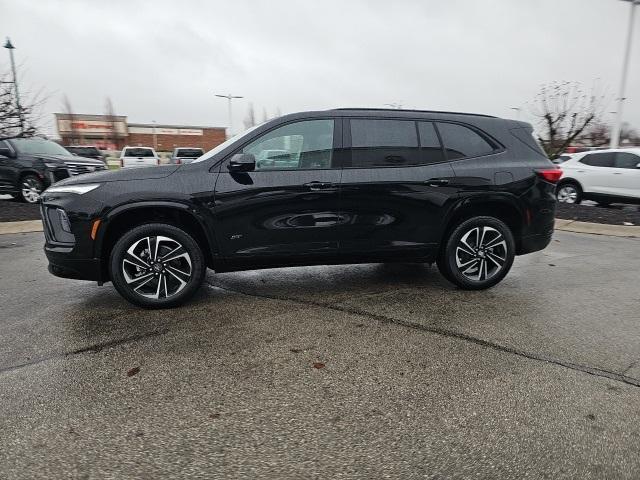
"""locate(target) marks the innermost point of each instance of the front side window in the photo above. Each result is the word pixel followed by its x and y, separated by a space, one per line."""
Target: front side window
pixel 599 159
pixel 384 143
pixel 460 141
pixel 626 160
pixel 305 145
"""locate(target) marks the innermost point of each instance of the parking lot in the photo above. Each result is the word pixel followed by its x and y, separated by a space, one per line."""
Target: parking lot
pixel 327 372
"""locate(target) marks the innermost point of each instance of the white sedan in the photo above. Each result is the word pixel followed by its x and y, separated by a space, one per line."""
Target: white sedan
pixel 606 176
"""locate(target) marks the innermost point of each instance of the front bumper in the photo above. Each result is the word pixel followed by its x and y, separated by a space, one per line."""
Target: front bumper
pixel 62 264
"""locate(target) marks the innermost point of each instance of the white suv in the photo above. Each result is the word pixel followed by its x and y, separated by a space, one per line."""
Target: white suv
pixel 138 157
pixel 606 176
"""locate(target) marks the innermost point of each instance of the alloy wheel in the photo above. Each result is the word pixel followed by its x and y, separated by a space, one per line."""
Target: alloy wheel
pixel 567 194
pixel 157 267
pixel 31 190
pixel 481 253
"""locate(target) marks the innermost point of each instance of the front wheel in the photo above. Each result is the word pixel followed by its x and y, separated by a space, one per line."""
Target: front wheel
pixel 569 193
pixel 478 253
pixel 30 189
pixel 157 266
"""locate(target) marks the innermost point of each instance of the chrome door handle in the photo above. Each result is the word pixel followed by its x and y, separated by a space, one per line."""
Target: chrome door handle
pixel 315 186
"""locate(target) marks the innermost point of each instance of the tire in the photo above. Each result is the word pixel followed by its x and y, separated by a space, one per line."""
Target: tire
pixel 140 278
pixel 470 268
pixel 30 189
pixel 569 192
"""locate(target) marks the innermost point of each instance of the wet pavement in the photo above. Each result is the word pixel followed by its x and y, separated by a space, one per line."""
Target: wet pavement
pixel 360 371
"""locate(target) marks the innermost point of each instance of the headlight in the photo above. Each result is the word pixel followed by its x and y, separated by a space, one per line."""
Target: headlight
pixel 79 189
pixel 54 165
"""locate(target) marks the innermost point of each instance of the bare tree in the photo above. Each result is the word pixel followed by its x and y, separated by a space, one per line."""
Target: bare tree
pixel 597 134
pixel 265 117
pixel 14 121
pixel 250 119
pixel 564 112
pixel 68 109
pixel 112 135
pixel 629 135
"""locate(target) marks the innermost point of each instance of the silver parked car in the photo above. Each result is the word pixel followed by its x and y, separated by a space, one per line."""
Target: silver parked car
pixel 185 155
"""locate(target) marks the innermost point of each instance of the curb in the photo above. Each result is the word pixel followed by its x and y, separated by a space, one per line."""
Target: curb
pixel 29 226
pixel 26 226
pixel 627 231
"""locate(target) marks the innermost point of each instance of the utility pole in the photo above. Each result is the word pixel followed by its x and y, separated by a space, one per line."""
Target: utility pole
pixel 615 133
pixel 9 46
pixel 229 97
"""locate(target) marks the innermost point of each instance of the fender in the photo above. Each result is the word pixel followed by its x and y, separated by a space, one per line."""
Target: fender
pixel 184 207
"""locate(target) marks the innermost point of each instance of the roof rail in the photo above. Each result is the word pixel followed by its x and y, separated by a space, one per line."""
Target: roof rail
pixel 415 111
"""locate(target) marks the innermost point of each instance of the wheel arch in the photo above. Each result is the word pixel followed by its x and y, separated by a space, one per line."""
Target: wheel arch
pixel 504 209
pixel 564 181
pixel 125 217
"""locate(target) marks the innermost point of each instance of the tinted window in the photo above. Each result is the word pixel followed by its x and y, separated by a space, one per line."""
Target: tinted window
pixel 460 141
pixel 626 160
pixel 430 148
pixel 384 143
pixel 301 145
pixel 138 152
pixel 189 152
pixel 599 159
pixel 38 146
pixel 84 150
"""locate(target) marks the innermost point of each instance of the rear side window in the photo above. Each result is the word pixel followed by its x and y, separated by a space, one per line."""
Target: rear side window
pixel 599 159
pixel 430 147
pixel 460 141
pixel 189 152
pixel 626 160
pixel 384 143
pixel 138 152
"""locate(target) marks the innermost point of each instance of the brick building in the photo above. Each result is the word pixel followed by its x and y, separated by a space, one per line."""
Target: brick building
pixel 114 132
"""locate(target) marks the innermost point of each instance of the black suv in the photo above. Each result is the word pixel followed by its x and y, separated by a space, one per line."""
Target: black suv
pixel 29 165
pixel 356 185
pixel 86 151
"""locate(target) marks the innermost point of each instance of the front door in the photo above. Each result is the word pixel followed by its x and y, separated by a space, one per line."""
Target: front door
pixel 396 187
pixel 8 171
pixel 290 204
pixel 625 178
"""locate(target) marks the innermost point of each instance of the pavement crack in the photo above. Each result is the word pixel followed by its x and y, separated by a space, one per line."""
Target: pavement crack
pixel 95 348
pixel 598 372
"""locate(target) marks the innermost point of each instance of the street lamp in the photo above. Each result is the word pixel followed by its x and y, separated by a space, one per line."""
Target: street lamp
pixel 9 46
pixel 229 97
pixel 615 134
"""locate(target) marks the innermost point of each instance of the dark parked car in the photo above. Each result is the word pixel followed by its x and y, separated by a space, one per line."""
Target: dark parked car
pixel 466 191
pixel 29 165
pixel 86 151
pixel 185 155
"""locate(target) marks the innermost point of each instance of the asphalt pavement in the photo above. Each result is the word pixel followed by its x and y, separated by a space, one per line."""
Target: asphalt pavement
pixel 357 371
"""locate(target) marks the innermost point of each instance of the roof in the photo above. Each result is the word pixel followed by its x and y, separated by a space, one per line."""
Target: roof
pixel 159 125
pixel 396 110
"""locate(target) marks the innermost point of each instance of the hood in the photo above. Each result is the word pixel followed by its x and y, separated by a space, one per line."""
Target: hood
pixel 122 175
pixel 70 158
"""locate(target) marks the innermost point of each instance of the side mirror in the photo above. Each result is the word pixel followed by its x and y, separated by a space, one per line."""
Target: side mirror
pixel 5 152
pixel 242 162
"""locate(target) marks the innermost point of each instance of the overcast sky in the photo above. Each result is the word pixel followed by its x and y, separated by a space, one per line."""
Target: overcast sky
pixel 163 60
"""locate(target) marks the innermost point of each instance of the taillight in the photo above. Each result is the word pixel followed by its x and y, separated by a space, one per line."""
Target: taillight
pixel 551 175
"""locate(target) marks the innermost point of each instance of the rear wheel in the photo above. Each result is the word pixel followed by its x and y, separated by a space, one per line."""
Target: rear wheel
pixel 569 192
pixel 30 189
pixel 157 266
pixel 478 254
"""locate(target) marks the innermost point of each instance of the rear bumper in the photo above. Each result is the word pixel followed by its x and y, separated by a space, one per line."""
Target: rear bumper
pixel 64 266
pixel 533 243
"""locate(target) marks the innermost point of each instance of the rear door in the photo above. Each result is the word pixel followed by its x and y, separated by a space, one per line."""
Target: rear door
pixel 9 171
pixel 288 207
pixel 596 173
pixel 396 184
pixel 626 174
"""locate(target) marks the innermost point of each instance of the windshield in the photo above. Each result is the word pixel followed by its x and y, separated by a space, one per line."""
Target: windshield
pixel 38 146
pixel 138 152
pixel 225 144
pixel 189 152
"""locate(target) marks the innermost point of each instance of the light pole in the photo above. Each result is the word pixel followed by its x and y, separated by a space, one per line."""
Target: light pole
pixel 229 97
pixel 9 46
pixel 615 133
